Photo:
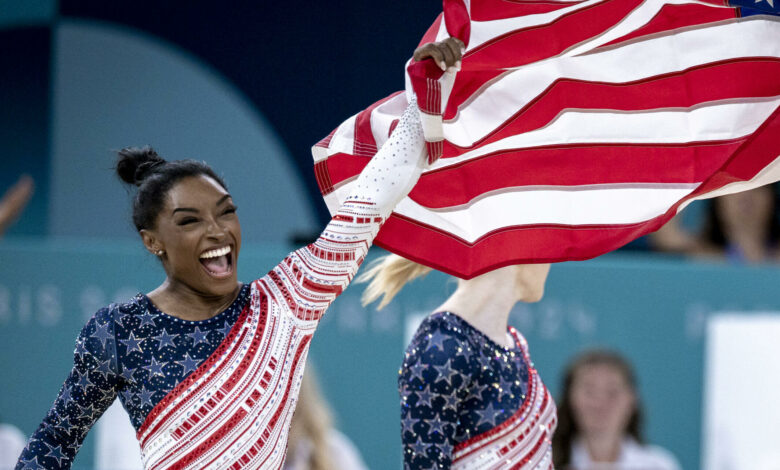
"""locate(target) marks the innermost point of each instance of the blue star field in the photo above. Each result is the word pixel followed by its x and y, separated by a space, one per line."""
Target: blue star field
pixel 455 383
pixel 130 350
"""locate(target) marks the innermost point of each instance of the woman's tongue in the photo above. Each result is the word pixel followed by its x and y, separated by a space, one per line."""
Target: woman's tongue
pixel 218 265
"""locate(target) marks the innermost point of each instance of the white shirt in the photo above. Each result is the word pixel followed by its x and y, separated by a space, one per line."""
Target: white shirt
pixel 633 456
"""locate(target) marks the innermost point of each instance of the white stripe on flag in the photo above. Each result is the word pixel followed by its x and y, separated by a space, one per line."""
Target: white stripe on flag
pixel 487 111
pixel 343 140
pixel 602 204
pixel 384 115
pixel 483 31
pixel 633 21
pixel 718 121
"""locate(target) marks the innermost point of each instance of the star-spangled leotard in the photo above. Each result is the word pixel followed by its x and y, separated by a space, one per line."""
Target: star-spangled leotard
pixel 144 356
pixel 457 385
pixel 131 350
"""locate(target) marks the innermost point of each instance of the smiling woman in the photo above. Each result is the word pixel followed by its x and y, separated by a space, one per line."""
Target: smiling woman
pixel 209 368
pixel 187 218
pixel 601 418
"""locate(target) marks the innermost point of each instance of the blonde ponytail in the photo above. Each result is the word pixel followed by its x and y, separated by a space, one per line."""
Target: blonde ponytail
pixel 387 276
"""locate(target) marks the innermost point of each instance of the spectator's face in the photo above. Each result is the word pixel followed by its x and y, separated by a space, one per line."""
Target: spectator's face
pixel 747 220
pixel 602 400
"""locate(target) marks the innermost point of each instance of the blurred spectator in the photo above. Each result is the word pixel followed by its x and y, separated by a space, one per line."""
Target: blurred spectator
pixel 743 227
pixel 14 201
pixel 314 443
pixel 600 418
pixel 12 442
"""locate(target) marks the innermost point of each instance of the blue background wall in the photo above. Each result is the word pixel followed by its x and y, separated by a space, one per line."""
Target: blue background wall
pixel 248 87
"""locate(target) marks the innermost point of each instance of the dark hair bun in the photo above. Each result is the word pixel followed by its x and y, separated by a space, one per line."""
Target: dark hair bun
pixel 135 164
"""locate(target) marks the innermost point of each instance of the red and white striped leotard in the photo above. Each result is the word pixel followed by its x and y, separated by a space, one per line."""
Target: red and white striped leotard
pixel 234 410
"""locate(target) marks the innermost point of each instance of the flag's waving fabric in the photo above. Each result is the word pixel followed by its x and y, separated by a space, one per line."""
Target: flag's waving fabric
pixel 573 127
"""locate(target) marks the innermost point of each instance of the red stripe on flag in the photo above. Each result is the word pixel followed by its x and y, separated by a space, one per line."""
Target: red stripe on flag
pixel 487 61
pixel 487 10
pixel 548 243
pixel 343 166
pixel 364 135
pixel 584 164
pixel 507 246
pixel 393 125
pixel 323 177
pixel 526 45
pixel 678 16
pixel 424 77
pixel 735 157
pixel 700 84
pixel 456 17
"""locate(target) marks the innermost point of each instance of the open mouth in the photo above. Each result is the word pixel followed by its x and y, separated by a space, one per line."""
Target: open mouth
pixel 218 262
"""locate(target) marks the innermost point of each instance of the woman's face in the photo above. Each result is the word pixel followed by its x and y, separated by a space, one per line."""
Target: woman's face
pixel 198 230
pixel 601 399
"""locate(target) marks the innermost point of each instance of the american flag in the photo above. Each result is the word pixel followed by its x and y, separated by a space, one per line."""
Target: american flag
pixel 573 127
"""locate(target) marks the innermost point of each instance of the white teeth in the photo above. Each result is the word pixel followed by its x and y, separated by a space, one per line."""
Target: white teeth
pixel 216 252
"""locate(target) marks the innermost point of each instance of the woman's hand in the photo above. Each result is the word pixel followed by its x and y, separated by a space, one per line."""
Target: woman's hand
pixel 446 53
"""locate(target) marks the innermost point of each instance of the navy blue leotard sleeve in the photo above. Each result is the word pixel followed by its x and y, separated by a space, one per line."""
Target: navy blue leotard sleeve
pixel 433 381
pixel 130 349
pixel 88 391
pixel 455 384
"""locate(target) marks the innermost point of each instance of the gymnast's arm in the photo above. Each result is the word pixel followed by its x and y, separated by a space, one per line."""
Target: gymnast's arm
pixel 433 382
pixel 89 390
pixel 310 278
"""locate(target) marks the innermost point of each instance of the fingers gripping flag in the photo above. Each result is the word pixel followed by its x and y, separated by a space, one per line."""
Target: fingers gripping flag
pixel 573 127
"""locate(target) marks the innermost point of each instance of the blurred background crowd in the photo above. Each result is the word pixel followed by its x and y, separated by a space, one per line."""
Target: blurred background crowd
pixel 639 347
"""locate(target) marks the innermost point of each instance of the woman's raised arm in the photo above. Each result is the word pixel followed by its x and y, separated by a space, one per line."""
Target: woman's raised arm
pixel 310 278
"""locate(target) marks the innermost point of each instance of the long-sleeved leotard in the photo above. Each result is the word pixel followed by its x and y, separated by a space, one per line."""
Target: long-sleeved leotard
pixel 131 350
pixel 467 402
pixel 220 392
